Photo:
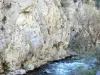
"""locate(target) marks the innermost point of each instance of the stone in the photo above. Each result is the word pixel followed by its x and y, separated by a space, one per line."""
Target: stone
pixel 10 73
pixel 17 72
pixel 98 73
pixel 29 67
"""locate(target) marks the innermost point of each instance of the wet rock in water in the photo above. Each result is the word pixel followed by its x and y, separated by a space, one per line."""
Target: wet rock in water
pixel 98 73
pixel 29 67
pixel 10 73
pixel 17 72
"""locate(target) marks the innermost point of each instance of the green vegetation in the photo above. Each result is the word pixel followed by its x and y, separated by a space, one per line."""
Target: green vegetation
pixel 87 72
pixel 82 71
pixel 97 52
pixel 4 19
pixel 90 72
pixel 5 66
pixel 87 1
pixel 80 67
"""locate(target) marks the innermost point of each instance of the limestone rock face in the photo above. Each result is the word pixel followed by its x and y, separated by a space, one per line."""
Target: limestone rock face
pixel 36 31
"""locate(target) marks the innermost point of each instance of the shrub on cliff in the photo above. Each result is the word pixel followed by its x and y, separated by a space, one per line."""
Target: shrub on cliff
pixel 5 66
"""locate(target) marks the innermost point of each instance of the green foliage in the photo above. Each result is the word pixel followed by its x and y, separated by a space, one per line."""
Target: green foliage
pixel 4 19
pixel 97 52
pixel 87 1
pixel 81 71
pixel 5 66
pixel 80 67
pixel 89 72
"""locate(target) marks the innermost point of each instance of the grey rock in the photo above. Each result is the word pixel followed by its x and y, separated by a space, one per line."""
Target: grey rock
pixel 98 73
pixel 29 67
pixel 17 72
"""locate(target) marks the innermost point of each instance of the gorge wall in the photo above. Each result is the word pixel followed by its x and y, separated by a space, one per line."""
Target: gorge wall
pixel 37 31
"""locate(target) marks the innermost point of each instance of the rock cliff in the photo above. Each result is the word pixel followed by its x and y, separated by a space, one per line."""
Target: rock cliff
pixel 37 31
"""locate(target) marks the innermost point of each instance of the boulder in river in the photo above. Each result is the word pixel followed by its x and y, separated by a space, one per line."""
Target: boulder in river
pixel 17 72
pixel 29 67
pixel 98 73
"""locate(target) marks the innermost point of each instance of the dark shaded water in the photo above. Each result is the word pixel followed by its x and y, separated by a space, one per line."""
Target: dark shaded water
pixel 98 3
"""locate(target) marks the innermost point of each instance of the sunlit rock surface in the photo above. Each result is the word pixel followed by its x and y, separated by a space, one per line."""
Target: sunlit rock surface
pixel 36 31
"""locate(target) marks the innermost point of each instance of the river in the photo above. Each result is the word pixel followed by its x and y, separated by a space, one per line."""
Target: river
pixel 65 67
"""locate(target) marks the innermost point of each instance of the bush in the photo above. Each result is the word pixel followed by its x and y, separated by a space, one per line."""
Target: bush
pixel 87 1
pixel 5 66
pixel 90 72
pixel 85 72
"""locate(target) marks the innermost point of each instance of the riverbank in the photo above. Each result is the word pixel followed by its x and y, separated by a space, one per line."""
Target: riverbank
pixel 86 63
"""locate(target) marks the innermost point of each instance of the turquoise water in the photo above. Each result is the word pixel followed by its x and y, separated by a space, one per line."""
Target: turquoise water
pixel 64 67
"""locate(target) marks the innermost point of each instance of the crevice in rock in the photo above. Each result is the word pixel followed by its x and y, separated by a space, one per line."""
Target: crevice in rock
pixel 4 19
